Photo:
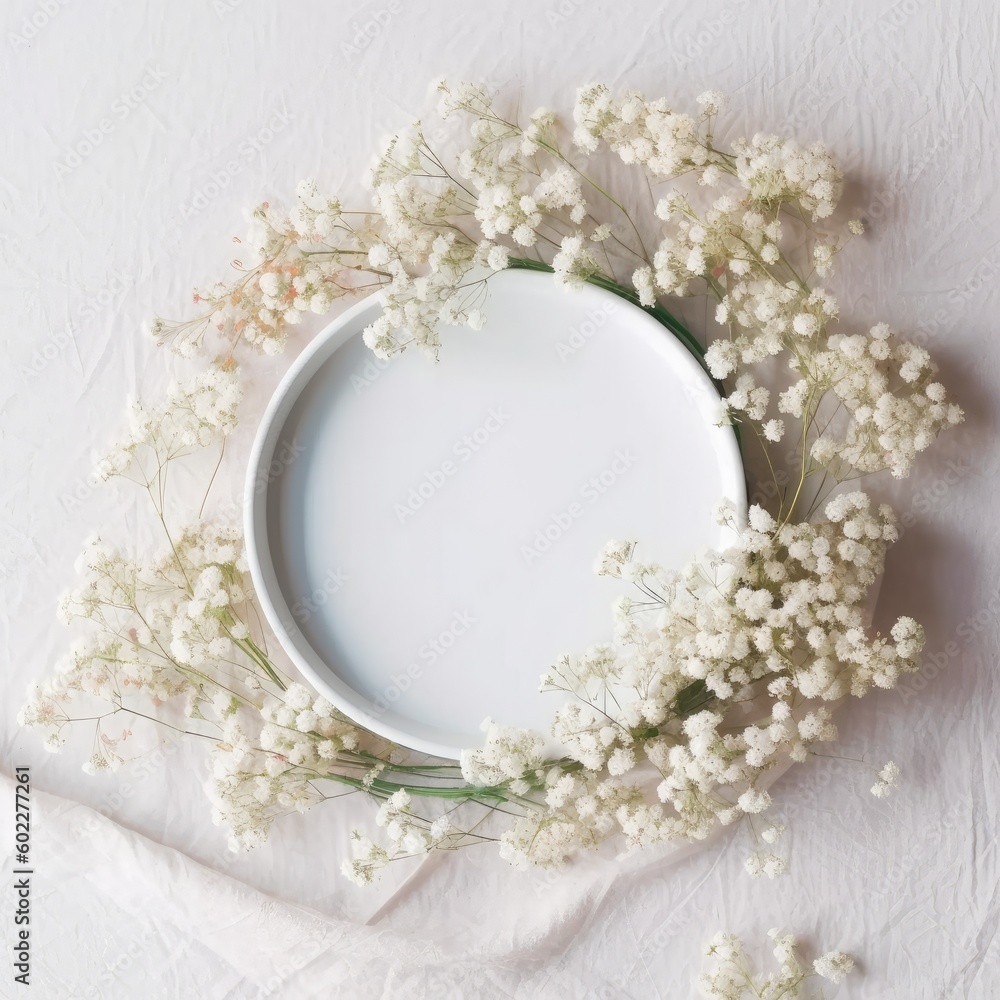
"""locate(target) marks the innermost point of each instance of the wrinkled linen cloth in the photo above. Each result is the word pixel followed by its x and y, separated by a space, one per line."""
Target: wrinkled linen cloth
pixel 137 139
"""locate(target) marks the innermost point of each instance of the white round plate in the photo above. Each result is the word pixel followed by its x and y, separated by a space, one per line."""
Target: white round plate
pixel 422 535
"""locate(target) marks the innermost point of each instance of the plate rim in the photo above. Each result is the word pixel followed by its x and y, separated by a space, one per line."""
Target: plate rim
pixel 259 476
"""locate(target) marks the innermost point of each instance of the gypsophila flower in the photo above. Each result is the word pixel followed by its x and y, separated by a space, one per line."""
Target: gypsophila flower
pixel 775 169
pixel 195 414
pixel 765 863
pixel 834 965
pixel 888 779
pixel 730 975
pixel 771 833
pixel 368 860
pixel 507 753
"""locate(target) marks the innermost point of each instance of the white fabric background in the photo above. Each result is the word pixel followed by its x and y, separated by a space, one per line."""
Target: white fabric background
pixel 134 893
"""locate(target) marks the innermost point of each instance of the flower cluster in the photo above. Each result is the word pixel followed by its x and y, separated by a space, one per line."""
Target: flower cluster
pixel 650 133
pixel 301 263
pixel 156 627
pixel 435 272
pixel 888 386
pixel 724 671
pixel 731 975
pixel 887 779
pixel 578 809
pixel 273 747
pixel 195 414
pixel 508 753
pixel 764 861
pixel 773 169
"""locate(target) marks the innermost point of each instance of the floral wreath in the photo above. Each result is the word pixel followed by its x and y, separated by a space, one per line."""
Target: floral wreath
pixel 721 672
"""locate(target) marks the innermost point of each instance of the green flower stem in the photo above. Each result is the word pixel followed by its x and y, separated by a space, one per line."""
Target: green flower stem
pixel 554 151
pixel 461 793
pixel 667 319
pixel 689 700
pixel 370 759
pixel 259 657
pixel 387 788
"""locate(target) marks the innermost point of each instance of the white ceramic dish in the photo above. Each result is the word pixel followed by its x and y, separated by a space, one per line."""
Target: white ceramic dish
pixel 422 535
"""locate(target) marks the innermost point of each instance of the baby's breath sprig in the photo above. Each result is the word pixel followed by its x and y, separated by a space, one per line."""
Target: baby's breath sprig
pixel 731 975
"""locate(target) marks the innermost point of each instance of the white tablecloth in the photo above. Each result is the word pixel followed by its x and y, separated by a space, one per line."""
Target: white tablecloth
pixel 136 136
